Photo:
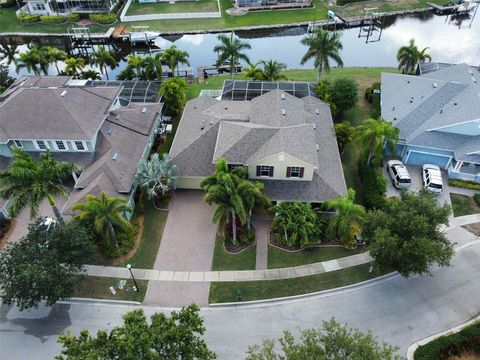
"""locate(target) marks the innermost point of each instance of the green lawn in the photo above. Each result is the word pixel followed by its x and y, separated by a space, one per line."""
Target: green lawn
pixel 177 7
pixel 165 147
pixel 98 288
pixel 225 261
pixel 221 292
pixel 463 205
pixel 279 259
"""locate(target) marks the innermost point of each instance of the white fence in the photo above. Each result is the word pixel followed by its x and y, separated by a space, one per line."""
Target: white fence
pixel 193 15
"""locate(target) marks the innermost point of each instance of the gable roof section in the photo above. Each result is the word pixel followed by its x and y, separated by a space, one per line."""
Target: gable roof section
pixel 43 113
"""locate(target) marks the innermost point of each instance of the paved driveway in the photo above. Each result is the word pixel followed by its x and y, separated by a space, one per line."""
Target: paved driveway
pixel 187 244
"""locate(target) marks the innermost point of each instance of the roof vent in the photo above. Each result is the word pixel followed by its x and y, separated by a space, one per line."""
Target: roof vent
pixel 434 84
pixel 283 96
pixel 408 81
pixel 117 117
pixel 226 108
pixel 203 125
pixel 317 147
pixel 317 111
pixel 109 131
pixel 314 127
pixel 441 111
pixel 115 157
pixel 393 108
pixel 64 92
pixel 211 121
pixel 144 110
pixel 284 112
pixel 474 80
pixel 455 103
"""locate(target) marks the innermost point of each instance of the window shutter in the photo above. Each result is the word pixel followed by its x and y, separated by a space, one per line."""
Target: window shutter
pixel 270 173
pixel 258 170
pixel 302 169
pixel 289 171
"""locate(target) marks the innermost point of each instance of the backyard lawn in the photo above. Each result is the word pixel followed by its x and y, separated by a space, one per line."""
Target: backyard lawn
pixel 464 205
pixel 98 288
pixel 225 261
pixel 177 7
pixel 279 259
pixel 221 292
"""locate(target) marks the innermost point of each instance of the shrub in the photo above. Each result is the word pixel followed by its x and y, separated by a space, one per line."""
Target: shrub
pixel 445 347
pixel 52 19
pixel 126 241
pixel 374 99
pixel 28 19
pixel 465 184
pixel 476 197
pixel 344 94
pixel 374 185
pixel 73 17
pixel 103 18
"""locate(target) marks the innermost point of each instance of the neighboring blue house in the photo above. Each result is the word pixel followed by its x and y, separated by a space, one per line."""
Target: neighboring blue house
pixel 438 114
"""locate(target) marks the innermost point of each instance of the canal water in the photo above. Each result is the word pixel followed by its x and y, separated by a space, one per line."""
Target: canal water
pixel 450 39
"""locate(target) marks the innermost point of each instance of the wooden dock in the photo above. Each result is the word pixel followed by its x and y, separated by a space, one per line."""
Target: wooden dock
pixel 202 71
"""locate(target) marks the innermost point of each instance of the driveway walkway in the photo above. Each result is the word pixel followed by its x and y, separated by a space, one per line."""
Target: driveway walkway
pixel 187 245
pixel 263 237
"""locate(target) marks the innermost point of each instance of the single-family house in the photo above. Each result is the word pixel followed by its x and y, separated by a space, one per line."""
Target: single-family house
pixel 438 115
pixel 96 125
pixel 285 141
pixel 63 7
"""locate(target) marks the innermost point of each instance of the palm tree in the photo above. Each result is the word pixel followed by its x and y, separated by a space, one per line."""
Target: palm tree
pixel 254 72
pixel 103 58
pixel 348 219
pixel 230 50
pixel 136 62
pixel 54 55
pixel 74 65
pixel 322 46
pixel 283 217
pixel 173 57
pixel 34 60
pixel 26 181
pixel 7 51
pixel 374 135
pixel 222 188
pixel 272 70
pixel 153 66
pixel 252 195
pixel 156 175
pixel 409 56
pixel 105 214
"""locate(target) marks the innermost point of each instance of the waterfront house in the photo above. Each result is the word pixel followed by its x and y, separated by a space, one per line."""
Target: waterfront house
pixel 97 125
pixel 438 115
pixel 280 132
pixel 63 7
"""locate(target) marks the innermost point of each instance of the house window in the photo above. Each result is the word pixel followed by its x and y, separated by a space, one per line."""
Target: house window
pixel 60 145
pixel 265 171
pixel 80 145
pixel 38 6
pixel 295 172
pixel 18 143
pixel 41 145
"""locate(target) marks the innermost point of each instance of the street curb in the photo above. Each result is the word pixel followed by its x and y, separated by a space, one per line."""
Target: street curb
pixel 286 299
pixel 412 348
pixel 93 300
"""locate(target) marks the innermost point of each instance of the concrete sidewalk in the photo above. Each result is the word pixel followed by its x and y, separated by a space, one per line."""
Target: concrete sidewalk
pixel 454 232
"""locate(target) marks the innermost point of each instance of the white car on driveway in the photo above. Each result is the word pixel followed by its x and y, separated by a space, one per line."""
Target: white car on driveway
pixel 432 178
pixel 399 174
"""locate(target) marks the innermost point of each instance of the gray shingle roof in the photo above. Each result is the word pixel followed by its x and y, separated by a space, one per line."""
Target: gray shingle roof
pixel 247 131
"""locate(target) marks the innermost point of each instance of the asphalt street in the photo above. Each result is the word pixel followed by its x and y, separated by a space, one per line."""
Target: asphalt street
pixel 398 310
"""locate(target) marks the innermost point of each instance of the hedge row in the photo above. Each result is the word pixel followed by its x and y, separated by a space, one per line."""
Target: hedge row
pixel 373 97
pixel 47 19
pixel 476 197
pixel 446 347
pixel 103 18
pixel 345 2
pixel 374 185
pixel 464 184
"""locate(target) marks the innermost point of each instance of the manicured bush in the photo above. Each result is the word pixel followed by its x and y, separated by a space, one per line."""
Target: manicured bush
pixel 52 19
pixel 374 185
pixel 476 197
pixel 373 97
pixel 464 184
pixel 103 18
pixel 126 241
pixel 345 2
pixel 447 347
pixel 28 19
pixel 73 17
pixel 344 94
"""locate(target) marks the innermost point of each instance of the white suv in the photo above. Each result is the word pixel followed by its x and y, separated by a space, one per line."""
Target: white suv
pixel 432 178
pixel 399 174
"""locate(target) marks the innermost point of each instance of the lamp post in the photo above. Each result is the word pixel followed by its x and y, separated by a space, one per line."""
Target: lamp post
pixel 129 267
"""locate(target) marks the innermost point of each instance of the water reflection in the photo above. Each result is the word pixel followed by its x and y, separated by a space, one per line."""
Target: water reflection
pixel 448 38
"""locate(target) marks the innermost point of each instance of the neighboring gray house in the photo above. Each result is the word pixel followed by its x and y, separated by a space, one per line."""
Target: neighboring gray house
pixel 438 114
pixel 286 142
pixel 81 122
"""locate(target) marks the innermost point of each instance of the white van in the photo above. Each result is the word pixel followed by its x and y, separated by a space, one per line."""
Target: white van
pixel 399 174
pixel 432 178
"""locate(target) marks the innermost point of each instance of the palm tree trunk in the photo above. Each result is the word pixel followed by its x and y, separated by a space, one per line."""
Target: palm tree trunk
pixel 249 222
pixel 106 72
pixel 232 67
pixel 285 234
pixel 369 159
pixel 55 210
pixel 234 228
pixel 319 75
pixel 56 67
pixel 113 236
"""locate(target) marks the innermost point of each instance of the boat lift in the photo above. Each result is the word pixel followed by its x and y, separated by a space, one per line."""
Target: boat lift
pixel 371 24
